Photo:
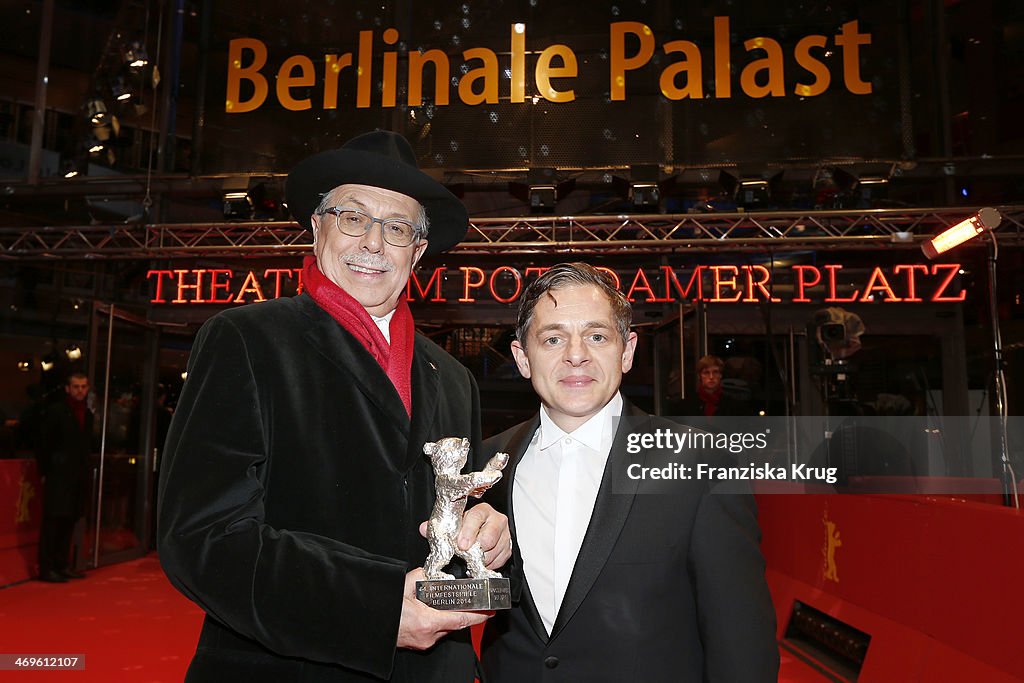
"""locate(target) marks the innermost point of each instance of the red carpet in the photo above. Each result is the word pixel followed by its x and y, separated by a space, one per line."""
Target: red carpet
pixel 132 627
pixel 127 620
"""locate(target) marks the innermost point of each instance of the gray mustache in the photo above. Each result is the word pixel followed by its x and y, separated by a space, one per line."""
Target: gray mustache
pixel 369 261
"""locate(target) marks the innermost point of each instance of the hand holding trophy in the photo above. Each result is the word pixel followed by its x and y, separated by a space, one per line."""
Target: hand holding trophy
pixel 486 590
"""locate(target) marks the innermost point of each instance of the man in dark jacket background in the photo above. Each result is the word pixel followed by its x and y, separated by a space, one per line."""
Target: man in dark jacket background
pixel 63 459
pixel 710 399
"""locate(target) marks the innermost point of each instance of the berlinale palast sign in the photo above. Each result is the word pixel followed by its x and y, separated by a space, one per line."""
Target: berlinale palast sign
pixel 485 75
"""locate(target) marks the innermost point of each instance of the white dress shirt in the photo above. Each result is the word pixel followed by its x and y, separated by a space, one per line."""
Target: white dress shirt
pixel 384 325
pixel 553 496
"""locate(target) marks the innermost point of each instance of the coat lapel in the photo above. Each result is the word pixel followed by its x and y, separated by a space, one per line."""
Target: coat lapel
pixel 425 383
pixel 516 448
pixel 345 352
pixel 610 512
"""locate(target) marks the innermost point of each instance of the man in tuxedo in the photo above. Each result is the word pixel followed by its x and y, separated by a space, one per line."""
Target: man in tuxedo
pixel 615 583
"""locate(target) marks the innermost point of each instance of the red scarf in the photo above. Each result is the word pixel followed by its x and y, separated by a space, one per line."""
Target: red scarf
pixel 78 410
pixel 395 359
pixel 710 399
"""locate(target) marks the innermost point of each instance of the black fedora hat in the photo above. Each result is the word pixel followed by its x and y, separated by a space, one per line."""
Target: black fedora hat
pixel 379 159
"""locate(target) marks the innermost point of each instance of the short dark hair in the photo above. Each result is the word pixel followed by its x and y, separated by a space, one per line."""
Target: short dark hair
pixel 710 362
pixel 76 375
pixel 566 275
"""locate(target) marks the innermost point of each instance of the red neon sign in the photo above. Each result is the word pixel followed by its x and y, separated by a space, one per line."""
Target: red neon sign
pixel 194 287
pixel 828 284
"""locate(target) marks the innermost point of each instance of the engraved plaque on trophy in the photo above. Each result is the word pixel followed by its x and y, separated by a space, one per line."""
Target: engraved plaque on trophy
pixel 486 589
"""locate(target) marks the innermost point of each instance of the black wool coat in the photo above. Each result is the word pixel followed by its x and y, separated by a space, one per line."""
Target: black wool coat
pixel 291 492
pixel 63 458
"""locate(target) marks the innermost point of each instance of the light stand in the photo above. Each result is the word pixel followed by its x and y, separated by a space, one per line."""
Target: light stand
pixel 986 220
pixel 1009 480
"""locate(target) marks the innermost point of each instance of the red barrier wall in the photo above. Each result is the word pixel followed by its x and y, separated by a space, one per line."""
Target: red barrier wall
pixel 20 511
pixel 935 581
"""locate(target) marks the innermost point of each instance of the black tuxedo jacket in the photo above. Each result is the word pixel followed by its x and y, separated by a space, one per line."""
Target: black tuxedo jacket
pixel 667 587
pixel 291 492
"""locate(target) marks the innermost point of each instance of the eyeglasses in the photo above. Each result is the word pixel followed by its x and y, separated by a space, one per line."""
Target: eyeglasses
pixel 397 232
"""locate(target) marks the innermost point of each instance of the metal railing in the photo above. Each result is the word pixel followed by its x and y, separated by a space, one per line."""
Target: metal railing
pixel 646 233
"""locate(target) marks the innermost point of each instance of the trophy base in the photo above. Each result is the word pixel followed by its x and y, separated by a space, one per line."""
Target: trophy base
pixel 465 594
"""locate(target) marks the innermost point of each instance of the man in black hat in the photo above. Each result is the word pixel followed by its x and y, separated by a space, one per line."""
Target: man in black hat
pixel 294 488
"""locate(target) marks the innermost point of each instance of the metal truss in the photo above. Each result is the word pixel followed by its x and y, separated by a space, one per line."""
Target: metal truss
pixel 638 234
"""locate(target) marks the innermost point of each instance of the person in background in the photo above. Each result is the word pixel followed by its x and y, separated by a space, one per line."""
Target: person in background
pixel 63 460
pixel 710 398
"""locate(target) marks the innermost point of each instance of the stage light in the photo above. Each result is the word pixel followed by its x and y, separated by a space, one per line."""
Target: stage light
pixel 844 181
pixel 642 187
pixel 96 110
pixel 73 352
pixel 542 190
pixel 267 198
pixel 986 219
pixel 542 198
pixel 753 191
pixel 644 191
pixel 749 190
pixel 100 134
pixel 237 202
pixel 848 179
pixel 858 185
pixel 135 55
pixel 237 205
pixel 24 365
pixel 122 93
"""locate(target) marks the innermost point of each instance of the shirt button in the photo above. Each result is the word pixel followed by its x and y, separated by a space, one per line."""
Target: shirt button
pixel 568 441
pixel 551 662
